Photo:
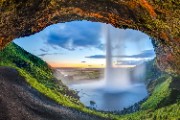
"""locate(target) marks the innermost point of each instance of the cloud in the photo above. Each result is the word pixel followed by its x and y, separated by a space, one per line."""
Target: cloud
pixel 76 35
pixel 101 47
pixel 131 41
pixel 43 50
pixel 127 62
pixel 45 54
pixel 143 54
pixel 127 35
pixel 96 56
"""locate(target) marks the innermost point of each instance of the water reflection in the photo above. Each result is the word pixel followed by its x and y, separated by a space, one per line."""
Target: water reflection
pixel 106 100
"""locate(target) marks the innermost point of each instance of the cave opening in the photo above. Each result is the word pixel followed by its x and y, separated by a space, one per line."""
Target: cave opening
pixel 106 66
pixel 158 19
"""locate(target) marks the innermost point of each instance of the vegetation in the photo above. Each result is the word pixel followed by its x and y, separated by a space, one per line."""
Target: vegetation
pixel 152 72
pixel 163 102
pixel 39 75
pixel 160 105
pixel 160 92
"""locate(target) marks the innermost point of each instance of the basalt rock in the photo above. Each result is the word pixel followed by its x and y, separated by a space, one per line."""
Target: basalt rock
pixel 159 19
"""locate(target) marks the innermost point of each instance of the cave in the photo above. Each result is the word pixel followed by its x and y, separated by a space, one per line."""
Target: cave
pixel 158 19
pixel 34 87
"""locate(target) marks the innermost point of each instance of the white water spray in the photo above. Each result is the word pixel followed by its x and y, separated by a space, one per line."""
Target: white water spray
pixel 115 78
pixel 108 57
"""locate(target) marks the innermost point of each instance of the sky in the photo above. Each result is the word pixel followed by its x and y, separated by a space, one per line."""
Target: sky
pixel 83 44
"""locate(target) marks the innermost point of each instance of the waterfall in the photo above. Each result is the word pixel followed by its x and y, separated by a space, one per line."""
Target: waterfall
pixel 108 56
pixel 115 78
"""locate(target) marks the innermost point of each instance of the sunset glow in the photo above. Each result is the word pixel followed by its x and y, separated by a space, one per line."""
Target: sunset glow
pixel 82 44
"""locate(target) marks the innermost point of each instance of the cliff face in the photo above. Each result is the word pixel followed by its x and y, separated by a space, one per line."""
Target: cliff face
pixel 159 19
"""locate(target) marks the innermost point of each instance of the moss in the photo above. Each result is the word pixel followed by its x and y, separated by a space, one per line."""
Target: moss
pixel 160 92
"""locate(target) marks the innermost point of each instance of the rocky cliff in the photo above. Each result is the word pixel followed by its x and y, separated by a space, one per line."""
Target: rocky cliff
pixel 159 19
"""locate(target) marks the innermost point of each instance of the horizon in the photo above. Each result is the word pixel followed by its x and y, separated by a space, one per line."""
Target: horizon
pixel 82 44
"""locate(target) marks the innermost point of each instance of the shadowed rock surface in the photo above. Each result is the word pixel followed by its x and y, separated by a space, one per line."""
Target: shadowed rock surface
pixel 157 18
pixel 18 101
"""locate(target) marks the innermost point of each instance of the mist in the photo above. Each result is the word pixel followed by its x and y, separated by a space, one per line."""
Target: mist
pixel 123 75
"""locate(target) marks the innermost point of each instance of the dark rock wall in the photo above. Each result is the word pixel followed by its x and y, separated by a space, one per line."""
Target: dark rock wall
pixel 159 19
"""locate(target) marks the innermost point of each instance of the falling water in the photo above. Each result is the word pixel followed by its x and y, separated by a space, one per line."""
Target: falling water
pixel 118 89
pixel 116 78
pixel 108 57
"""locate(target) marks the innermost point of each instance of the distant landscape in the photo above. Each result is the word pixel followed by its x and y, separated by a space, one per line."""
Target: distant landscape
pixel 163 102
pixel 85 80
pixel 70 75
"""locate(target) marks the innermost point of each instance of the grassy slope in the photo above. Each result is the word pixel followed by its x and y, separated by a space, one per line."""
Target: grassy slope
pixel 163 102
pixel 38 74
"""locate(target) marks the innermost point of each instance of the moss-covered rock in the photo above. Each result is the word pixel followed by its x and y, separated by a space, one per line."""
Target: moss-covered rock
pixel 157 18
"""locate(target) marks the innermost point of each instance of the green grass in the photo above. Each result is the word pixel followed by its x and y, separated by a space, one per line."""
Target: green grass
pixel 157 106
pixel 40 76
pixel 160 92
pixel 171 112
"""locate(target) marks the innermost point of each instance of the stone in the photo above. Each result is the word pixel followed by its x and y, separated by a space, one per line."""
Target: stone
pixel 159 19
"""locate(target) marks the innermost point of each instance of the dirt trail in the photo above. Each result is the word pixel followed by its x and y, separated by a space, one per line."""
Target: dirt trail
pixel 18 101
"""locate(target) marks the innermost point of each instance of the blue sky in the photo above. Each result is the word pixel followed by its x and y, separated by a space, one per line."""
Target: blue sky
pixel 82 43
